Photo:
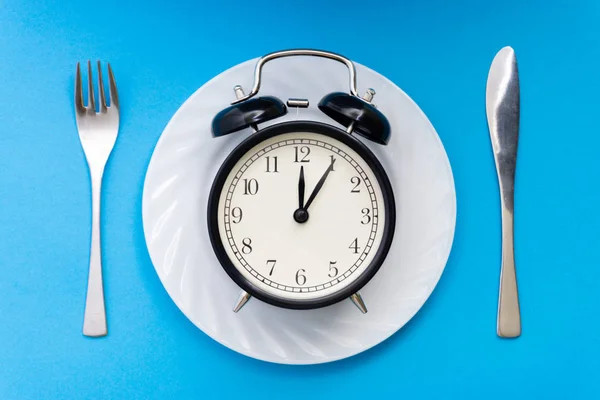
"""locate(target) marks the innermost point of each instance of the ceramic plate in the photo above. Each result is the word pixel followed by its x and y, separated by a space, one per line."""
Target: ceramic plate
pixel 179 178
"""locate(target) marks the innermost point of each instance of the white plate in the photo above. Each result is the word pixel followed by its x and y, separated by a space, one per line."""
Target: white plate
pixel 179 178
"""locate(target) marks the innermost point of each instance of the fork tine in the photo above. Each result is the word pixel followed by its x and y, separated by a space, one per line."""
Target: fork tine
pixel 91 101
pixel 79 91
pixel 103 104
pixel 114 97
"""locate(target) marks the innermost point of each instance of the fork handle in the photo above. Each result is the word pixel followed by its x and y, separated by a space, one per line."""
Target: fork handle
pixel 94 323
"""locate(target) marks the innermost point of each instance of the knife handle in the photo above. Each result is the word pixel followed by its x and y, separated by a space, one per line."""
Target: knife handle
pixel 509 314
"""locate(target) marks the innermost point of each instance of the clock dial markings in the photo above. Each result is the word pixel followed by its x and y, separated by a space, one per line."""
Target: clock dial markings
pixel 244 197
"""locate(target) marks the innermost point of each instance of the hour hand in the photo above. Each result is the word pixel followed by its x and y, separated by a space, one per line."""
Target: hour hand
pixel 301 215
pixel 301 188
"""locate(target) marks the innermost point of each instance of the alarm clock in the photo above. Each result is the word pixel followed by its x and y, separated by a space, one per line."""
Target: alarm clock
pixel 301 214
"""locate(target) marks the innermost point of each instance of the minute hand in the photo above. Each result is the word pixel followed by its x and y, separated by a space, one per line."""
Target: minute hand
pixel 319 185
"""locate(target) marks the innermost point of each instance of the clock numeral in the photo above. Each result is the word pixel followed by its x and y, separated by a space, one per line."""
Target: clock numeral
pixel 246 245
pixel 272 262
pixel 272 166
pixel 300 278
pixel 355 180
pixel 303 152
pixel 332 162
pixel 333 271
pixel 366 212
pixel 250 186
pixel 237 214
pixel 354 246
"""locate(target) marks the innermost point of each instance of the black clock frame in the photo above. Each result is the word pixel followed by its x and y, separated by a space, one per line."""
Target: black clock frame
pixel 312 127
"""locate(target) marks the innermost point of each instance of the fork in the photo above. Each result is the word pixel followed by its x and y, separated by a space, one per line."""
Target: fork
pixel 98 134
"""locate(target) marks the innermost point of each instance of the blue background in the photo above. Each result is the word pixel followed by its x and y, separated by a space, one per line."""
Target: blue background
pixel 439 52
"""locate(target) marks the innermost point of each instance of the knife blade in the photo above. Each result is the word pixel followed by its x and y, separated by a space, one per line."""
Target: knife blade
pixel 503 115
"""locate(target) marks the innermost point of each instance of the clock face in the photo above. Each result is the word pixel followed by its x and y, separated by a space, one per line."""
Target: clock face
pixel 301 215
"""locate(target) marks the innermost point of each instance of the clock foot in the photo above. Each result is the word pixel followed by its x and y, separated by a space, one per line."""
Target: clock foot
pixel 241 301
pixel 358 302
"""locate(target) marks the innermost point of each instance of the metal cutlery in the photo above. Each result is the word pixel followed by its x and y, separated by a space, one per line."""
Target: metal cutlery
pixel 98 128
pixel 503 114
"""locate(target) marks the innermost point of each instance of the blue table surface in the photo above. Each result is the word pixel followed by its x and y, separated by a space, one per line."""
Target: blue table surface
pixel 162 51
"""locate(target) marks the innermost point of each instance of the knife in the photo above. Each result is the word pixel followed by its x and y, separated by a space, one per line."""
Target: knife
pixel 502 109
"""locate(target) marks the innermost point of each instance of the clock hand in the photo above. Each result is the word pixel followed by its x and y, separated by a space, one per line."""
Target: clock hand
pixel 301 188
pixel 319 185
